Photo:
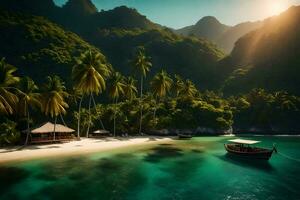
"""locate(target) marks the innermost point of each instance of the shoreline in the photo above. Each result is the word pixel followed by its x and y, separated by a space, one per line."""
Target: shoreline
pixel 92 145
pixel 83 146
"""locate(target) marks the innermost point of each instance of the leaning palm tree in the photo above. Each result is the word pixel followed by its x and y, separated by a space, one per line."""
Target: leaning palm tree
pixel 130 89
pixel 161 85
pixel 28 98
pixel 142 65
pixel 53 99
pixel 8 98
pixel 116 90
pixel 89 76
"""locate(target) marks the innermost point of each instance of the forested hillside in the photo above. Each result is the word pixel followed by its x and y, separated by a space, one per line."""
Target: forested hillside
pixel 269 57
pixel 118 33
pixel 39 47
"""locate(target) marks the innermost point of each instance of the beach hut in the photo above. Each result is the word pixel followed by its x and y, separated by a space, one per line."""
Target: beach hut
pixel 45 133
pixel 100 133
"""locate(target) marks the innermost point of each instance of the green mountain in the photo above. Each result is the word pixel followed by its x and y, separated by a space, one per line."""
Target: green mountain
pixel 38 47
pixel 80 7
pixel 224 36
pixel 207 27
pixel 120 31
pixel 268 57
pixel 81 15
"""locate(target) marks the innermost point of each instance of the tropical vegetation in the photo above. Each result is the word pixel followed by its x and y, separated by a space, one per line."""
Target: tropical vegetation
pixel 140 77
pixel 89 75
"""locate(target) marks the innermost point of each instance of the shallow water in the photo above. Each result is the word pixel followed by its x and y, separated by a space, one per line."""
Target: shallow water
pixel 190 169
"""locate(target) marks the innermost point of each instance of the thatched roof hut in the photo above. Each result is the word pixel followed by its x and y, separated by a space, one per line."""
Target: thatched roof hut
pixel 45 133
pixel 49 128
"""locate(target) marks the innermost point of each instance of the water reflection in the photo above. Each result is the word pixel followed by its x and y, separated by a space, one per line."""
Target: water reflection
pixel 181 170
pixel 244 162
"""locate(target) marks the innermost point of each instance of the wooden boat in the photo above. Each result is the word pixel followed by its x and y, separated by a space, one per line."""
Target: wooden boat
pixel 184 136
pixel 243 148
pixel 100 133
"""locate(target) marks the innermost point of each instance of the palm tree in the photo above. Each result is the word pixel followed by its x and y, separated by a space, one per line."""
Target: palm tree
pixel 178 85
pixel 7 80
pixel 53 98
pixel 74 96
pixel 189 89
pixel 284 100
pixel 130 89
pixel 116 89
pixel 161 85
pixel 28 98
pixel 89 75
pixel 142 65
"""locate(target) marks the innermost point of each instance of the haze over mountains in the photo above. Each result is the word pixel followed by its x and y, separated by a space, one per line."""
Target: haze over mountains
pixel 266 55
pixel 224 36
pixel 269 57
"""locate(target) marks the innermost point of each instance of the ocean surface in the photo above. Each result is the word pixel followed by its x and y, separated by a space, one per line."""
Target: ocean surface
pixel 180 169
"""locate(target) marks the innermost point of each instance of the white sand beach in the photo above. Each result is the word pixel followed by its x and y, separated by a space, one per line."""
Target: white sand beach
pixel 85 145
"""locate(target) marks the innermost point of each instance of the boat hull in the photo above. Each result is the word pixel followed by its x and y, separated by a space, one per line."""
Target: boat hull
pixel 262 154
pixel 182 136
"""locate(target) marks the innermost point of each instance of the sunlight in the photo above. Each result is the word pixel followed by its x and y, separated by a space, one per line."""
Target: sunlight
pixel 277 6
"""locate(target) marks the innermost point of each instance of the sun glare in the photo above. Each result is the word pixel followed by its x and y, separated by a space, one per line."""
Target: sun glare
pixel 277 6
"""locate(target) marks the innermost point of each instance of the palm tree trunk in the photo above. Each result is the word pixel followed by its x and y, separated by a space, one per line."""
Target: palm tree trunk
pixel 78 122
pixel 141 107
pixel 54 128
pixel 62 119
pixel 90 117
pixel 115 110
pixel 28 128
pixel 154 113
pixel 141 89
pixel 102 126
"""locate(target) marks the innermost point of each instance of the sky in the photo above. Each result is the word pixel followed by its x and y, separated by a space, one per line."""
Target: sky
pixel 180 13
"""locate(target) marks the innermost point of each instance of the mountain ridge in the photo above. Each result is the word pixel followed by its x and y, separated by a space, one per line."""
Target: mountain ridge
pixel 80 7
pixel 120 31
pixel 223 35
pixel 266 57
pixel 207 27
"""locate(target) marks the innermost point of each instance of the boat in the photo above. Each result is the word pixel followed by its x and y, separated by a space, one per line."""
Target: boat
pixel 184 136
pixel 100 133
pixel 245 148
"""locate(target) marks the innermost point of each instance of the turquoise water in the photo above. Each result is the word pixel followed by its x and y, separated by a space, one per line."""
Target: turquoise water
pixel 192 169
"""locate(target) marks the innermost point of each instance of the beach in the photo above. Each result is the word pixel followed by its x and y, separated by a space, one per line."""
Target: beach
pixel 85 145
